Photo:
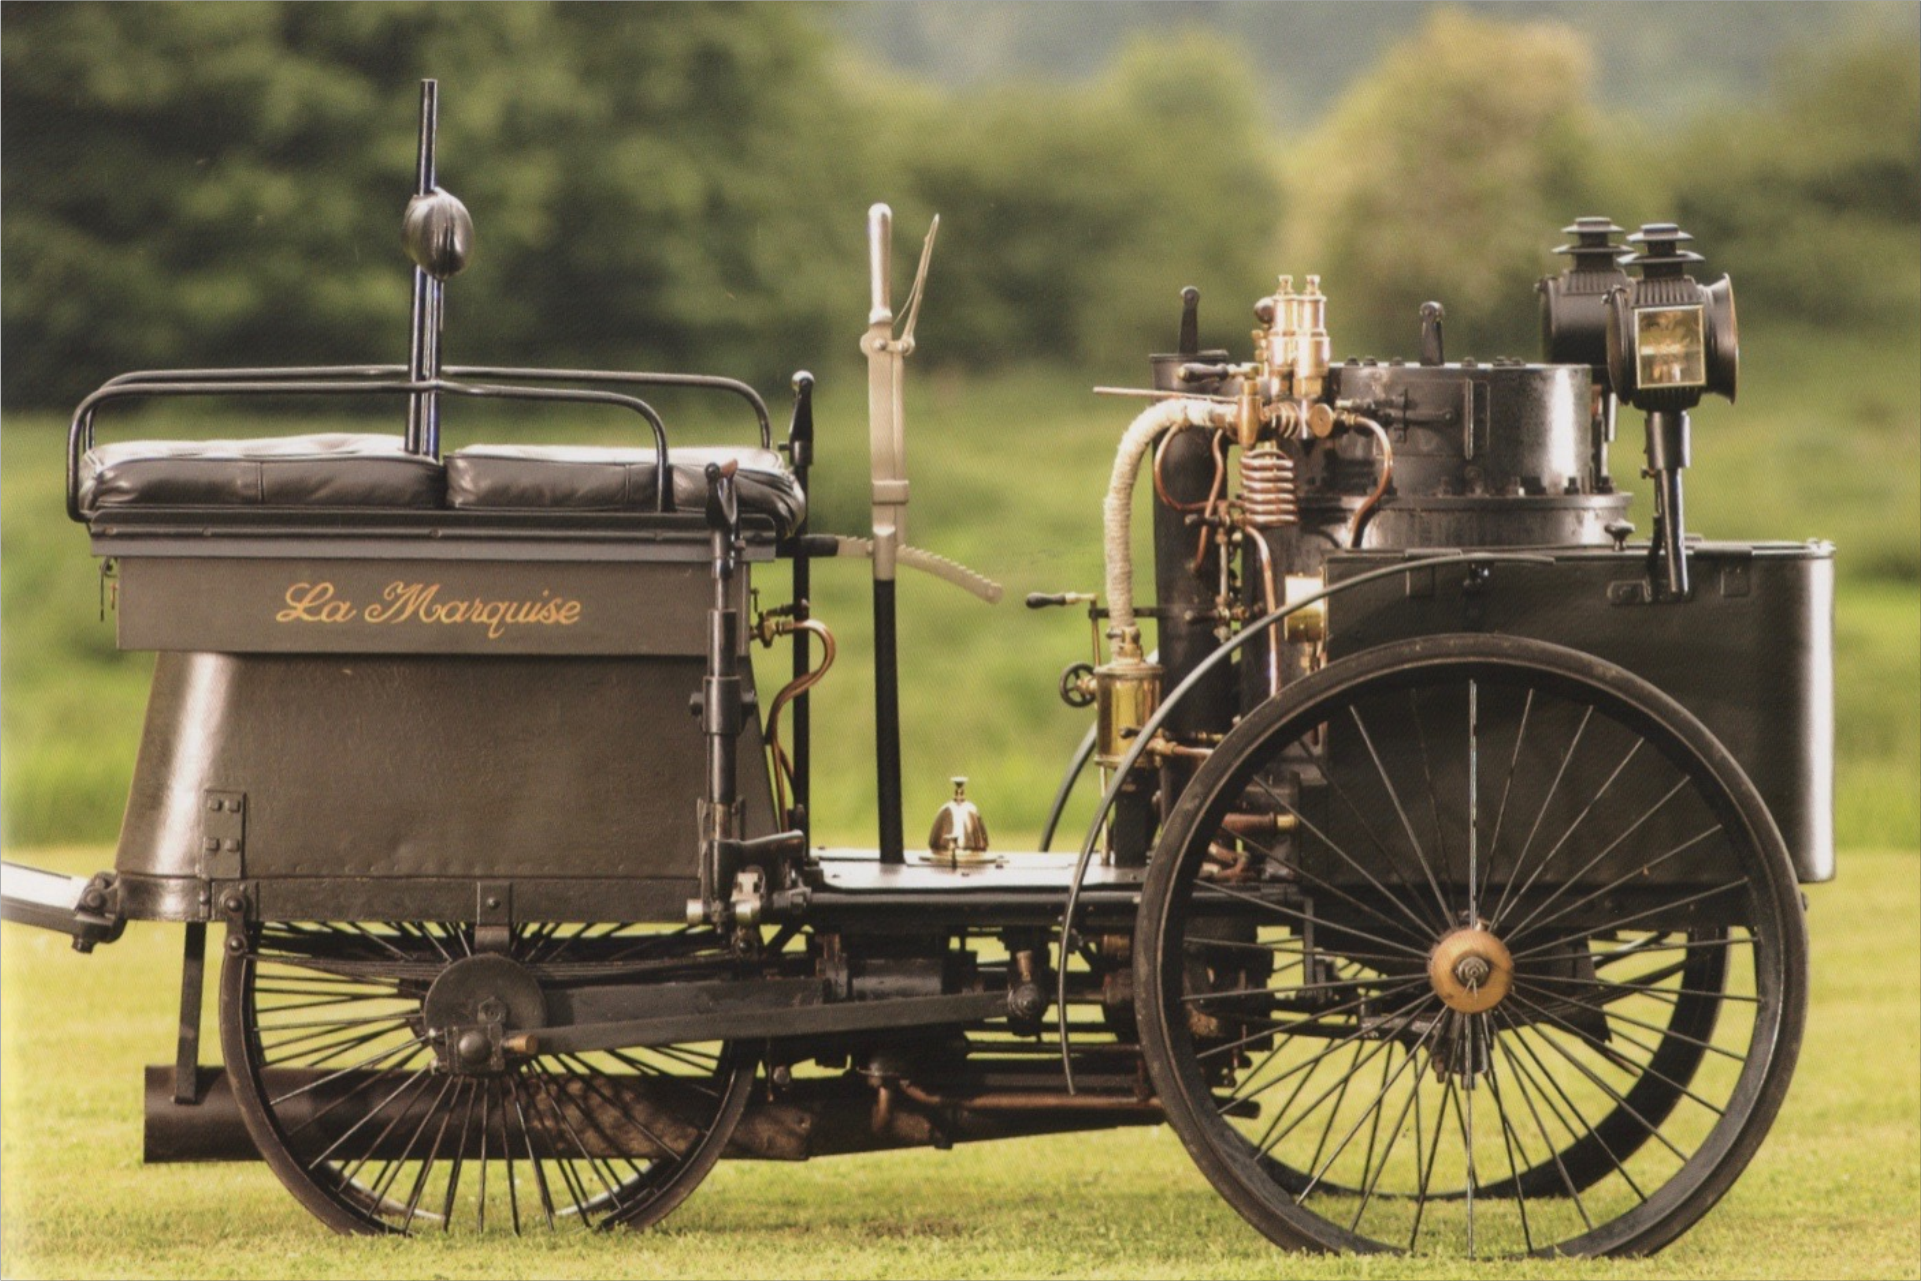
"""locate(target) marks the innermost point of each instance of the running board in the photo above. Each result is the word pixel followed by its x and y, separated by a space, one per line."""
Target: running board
pixel 82 908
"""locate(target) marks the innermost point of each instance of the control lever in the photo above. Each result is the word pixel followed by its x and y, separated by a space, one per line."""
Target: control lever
pixel 927 563
pixel 723 499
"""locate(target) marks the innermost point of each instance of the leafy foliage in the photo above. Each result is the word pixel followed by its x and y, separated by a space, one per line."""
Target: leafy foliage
pixel 1075 216
pixel 1813 204
pixel 1444 174
pixel 197 184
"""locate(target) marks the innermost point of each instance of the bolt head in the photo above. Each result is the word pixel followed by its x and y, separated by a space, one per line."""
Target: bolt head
pixel 474 1048
pixel 233 903
pixel 1472 970
pixel 236 944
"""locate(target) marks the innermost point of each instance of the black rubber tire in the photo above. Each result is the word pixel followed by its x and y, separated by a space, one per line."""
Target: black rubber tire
pixel 596 1192
pixel 1262 1188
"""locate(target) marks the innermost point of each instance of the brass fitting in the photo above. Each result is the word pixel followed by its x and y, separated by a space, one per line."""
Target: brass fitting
pixel 1470 970
pixel 1313 351
pixel 1127 690
pixel 1248 414
pixel 1287 324
pixel 1306 626
pixel 959 834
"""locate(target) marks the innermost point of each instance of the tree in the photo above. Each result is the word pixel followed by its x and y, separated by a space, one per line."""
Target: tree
pixel 1446 173
pixel 1814 205
pixel 652 185
pixel 1073 216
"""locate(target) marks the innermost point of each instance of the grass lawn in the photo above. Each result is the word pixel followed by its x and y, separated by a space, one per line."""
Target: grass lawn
pixel 1835 1192
pixel 1008 478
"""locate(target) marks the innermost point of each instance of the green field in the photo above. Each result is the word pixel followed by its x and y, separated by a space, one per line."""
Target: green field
pixel 1835 1192
pixel 1008 476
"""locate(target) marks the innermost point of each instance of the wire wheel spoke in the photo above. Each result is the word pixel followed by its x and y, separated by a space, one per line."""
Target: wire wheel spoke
pixel 351 1076
pixel 1360 1075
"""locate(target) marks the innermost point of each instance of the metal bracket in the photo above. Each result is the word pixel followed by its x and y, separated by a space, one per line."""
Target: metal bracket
pixel 1734 578
pixel 187 1081
pixel 1630 591
pixel 494 903
pixel 223 828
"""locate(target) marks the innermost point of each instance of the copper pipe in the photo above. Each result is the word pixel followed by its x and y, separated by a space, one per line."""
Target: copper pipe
pixel 1366 509
pixel 1160 481
pixel 1206 507
pixel 1213 499
pixel 780 767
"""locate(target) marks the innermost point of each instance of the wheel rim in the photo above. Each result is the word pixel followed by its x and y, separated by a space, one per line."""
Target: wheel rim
pixel 1339 1092
pixel 345 1045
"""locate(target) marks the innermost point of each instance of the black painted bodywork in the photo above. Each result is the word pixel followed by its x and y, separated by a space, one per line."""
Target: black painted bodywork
pixel 378 749
pixel 1751 654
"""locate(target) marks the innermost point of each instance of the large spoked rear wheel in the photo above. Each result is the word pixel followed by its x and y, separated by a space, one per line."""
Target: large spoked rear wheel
pixel 368 1063
pixel 1471 944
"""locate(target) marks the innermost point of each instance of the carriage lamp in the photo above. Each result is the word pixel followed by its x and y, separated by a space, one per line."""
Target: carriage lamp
pixel 1670 341
pixel 1574 304
pixel 1574 320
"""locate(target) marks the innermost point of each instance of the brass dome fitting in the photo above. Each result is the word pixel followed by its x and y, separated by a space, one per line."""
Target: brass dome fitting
pixel 959 836
pixel 1471 970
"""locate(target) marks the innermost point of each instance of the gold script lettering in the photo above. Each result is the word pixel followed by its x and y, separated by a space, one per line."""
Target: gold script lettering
pixel 402 602
pixel 403 599
pixel 314 603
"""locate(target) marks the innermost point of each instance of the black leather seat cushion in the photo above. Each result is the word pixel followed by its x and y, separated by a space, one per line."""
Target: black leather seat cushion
pixel 332 470
pixel 590 478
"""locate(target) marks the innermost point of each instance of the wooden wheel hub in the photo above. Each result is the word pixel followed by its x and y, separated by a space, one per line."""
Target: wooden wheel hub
pixel 1470 970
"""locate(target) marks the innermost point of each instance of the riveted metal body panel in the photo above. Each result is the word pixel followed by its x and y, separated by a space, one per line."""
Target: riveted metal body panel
pixel 401 767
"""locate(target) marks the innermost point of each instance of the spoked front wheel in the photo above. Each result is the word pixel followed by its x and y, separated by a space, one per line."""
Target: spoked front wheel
pixel 375 1069
pixel 1476 945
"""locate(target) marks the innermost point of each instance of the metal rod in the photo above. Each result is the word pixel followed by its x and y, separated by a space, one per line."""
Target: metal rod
pixel 800 445
pixel 193 973
pixel 887 449
pixel 493 373
pixel 1667 454
pixel 887 723
pixel 1075 766
pixel 423 350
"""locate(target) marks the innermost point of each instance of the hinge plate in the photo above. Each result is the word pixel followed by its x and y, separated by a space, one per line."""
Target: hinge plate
pixel 223 829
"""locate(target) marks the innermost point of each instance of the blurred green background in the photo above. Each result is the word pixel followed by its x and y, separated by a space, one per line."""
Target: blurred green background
pixel 683 186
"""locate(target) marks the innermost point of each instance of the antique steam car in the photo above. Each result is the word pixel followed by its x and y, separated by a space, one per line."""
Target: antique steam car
pixel 1443 887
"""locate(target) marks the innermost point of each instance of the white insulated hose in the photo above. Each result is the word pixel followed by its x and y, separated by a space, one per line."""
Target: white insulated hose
pixel 1118 509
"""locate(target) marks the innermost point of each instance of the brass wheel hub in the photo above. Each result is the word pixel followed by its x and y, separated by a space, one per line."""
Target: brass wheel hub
pixel 1471 970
